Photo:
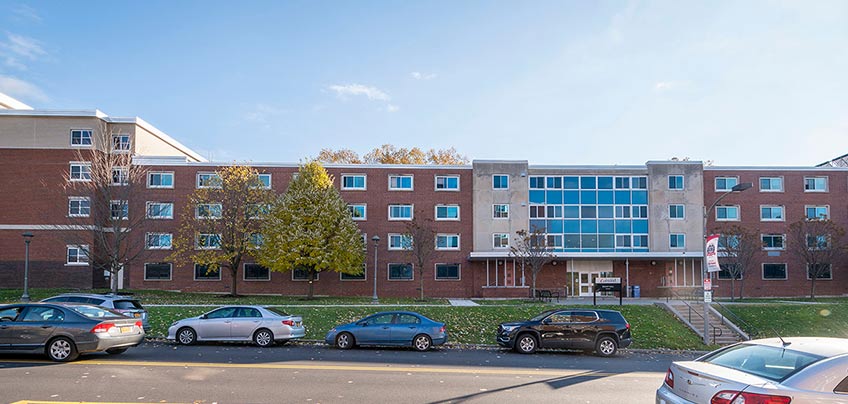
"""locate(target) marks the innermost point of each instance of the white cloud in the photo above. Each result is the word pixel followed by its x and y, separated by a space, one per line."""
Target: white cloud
pixel 373 93
pixel 17 47
pixel 21 89
pixel 422 76
pixel 392 108
pixel 26 12
pixel 262 112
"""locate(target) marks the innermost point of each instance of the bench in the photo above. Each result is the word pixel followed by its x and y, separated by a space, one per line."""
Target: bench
pixel 547 295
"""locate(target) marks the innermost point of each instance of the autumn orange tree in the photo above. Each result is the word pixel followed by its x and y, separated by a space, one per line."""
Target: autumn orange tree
pixel 390 154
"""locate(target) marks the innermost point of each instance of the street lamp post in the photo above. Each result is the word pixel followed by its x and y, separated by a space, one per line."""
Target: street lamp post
pixel 27 238
pixel 376 240
pixel 704 273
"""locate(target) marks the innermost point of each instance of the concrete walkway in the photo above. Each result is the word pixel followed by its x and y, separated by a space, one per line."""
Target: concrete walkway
pixel 462 302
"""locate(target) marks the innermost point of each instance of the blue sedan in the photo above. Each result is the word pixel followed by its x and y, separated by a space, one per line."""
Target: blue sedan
pixel 393 328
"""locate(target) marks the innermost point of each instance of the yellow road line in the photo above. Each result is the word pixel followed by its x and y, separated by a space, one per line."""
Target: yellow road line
pixel 69 402
pixel 387 368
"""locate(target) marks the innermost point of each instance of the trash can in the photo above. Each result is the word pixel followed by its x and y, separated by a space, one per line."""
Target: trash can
pixel 636 291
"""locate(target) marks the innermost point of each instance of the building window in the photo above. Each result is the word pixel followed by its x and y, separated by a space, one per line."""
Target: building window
pixel 357 277
pixel 400 272
pixel 400 212
pixel 160 180
pixel 208 180
pixel 160 271
pixel 160 210
pixel 353 182
pixel 639 182
pixel 640 241
pixel 500 211
pixel 771 184
pixel 80 172
pixel 208 241
pixel 537 182
pixel 256 240
pixel 537 211
pixel 77 255
pixel 773 241
pixel 818 242
pixel 622 182
pixel 300 274
pixel 816 212
pixel 447 272
pixel 399 241
pixel 265 179
pixel 728 271
pixel 208 211
pixel 500 181
pixel 158 241
pixel 774 271
pixel 675 212
pixel 675 182
pixel 815 184
pixel 447 212
pixel 257 210
pixel 357 211
pixel 206 273
pixel 771 213
pixel 500 240
pixel 447 183
pixel 725 183
pixel 256 272
pixel 120 210
pixel 727 213
pixel 121 142
pixel 639 212
pixel 677 241
pixel 81 137
pixel 79 206
pixel 820 271
pixel 400 183
pixel 447 241
pixel 120 176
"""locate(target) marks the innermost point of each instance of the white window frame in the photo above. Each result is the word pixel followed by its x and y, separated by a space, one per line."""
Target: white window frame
pixel 760 184
pixel 807 273
pixel 270 180
pixel 123 174
pixel 150 203
pixel 826 208
pixel 364 207
pixel 394 238
pixel 244 273
pixel 201 174
pixel 364 186
pixel 682 182
pixel 122 203
pixel 82 255
pixel 770 207
pixel 389 272
pixel 501 236
pixel 715 183
pixel 197 245
pixel 90 138
pixel 815 177
pixel 160 174
pixel 436 183
pixel 147 245
pixel 364 275
pixel 170 271
pixel 398 177
pixel 500 175
pixel 120 137
pixel 448 219
pixel 682 210
pixel 495 211
pixel 458 272
pixel 197 210
pixel 194 275
pixel 736 219
pixel 785 271
pixel 782 236
pixel 678 236
pixel 411 212
pixel 448 236
pixel 73 199
pixel 82 165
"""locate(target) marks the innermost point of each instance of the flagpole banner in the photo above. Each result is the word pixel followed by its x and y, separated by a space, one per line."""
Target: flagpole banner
pixel 712 254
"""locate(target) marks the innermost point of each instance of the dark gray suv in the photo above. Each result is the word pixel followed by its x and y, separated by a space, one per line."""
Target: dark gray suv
pixel 602 331
pixel 125 305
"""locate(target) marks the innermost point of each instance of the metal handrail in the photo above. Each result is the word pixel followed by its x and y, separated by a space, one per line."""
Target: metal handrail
pixel 751 330
pixel 717 332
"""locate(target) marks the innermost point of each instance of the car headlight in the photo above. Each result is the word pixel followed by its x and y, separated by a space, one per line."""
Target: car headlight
pixel 508 328
pixel 175 323
pixel 332 330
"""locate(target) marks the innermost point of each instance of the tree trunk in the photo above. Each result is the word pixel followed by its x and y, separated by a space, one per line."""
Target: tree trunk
pixel 813 287
pixel 114 270
pixel 234 275
pixel 533 284
pixel 741 287
pixel 421 280
pixel 732 287
pixel 311 292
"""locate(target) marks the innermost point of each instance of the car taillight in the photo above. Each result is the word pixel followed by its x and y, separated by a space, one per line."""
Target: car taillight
pixel 741 397
pixel 289 323
pixel 102 327
pixel 139 324
pixel 627 325
pixel 669 378
pixel 442 329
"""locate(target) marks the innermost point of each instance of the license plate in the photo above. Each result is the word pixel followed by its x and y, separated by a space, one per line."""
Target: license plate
pixel 126 330
pixel 298 324
pixel 137 315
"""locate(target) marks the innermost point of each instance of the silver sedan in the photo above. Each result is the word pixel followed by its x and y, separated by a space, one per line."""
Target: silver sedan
pixel 259 324
pixel 774 370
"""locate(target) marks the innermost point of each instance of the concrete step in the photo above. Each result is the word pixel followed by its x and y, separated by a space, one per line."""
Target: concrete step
pixel 692 315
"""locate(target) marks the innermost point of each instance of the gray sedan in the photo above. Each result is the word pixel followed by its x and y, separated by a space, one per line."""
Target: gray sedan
pixel 777 371
pixel 261 325
pixel 62 332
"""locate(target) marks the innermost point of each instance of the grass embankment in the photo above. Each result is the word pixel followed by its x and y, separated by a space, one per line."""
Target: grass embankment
pixel 828 319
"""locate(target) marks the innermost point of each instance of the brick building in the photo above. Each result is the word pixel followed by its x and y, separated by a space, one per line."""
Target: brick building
pixel 641 223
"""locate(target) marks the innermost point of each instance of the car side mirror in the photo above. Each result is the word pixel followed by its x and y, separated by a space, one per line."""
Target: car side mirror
pixel 363 323
pixel 546 321
pixel 203 317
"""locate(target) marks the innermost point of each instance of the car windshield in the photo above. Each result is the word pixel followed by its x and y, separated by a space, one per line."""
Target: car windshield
pixel 95 312
pixel 769 362
pixel 277 311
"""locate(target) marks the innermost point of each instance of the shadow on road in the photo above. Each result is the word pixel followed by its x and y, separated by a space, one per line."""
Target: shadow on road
pixel 554 382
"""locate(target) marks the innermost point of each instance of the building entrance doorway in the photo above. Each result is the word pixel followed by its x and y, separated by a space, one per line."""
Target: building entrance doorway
pixel 582 276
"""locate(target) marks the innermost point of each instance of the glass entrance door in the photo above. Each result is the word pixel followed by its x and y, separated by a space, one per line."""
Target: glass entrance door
pixel 587 282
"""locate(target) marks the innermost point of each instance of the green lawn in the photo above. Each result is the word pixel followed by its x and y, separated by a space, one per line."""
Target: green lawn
pixel 813 320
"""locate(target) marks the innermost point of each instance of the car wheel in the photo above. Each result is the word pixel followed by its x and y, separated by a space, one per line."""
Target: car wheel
pixel 186 336
pixel 263 337
pixel 62 350
pixel 422 342
pixel 116 351
pixel 526 344
pixel 606 346
pixel 344 340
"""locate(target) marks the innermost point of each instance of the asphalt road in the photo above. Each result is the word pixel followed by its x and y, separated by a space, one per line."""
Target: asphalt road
pixel 307 373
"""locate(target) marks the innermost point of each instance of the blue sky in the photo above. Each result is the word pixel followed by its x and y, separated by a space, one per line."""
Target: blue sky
pixel 559 82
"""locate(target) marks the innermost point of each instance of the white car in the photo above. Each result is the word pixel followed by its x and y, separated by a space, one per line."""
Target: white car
pixel 259 324
pixel 768 371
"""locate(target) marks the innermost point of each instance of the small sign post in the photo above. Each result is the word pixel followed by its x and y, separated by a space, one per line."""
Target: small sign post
pixel 708 284
pixel 607 285
pixel 708 296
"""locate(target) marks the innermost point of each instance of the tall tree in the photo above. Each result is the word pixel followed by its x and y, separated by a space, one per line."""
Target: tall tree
pixel 818 243
pixel 221 223
pixel 341 156
pixel 101 188
pixel 738 246
pixel 531 248
pixel 422 242
pixel 391 154
pixel 310 228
